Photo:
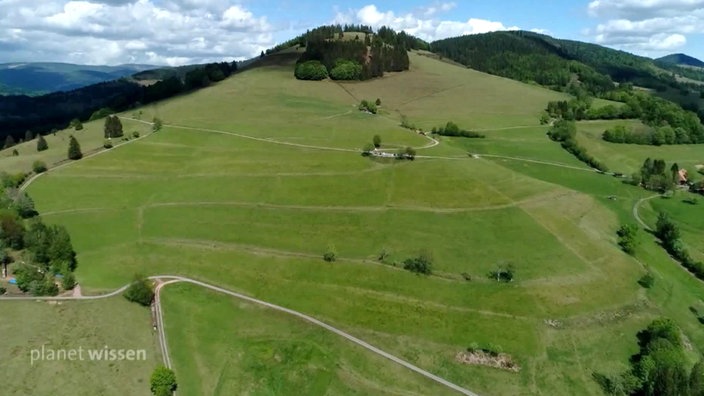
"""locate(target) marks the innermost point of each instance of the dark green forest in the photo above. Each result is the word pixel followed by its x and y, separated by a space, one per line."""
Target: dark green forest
pixel 41 114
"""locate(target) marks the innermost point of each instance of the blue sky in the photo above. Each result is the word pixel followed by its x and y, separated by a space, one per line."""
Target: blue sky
pixel 187 31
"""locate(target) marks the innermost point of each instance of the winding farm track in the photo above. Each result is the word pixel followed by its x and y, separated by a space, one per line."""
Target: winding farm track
pixel 636 206
pixel 164 280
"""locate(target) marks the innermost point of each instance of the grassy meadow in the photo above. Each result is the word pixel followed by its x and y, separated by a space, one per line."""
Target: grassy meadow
pixel 253 179
pixel 29 325
pixel 253 350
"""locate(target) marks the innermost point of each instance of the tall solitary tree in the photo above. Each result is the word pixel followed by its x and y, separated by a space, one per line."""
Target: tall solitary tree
pixel 42 144
pixel 675 169
pixel 377 141
pixel 28 135
pixel 9 142
pixel 74 149
pixel 163 381
pixel 113 127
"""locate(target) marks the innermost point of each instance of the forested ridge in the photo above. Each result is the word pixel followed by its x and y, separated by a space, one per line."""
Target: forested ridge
pixel 41 114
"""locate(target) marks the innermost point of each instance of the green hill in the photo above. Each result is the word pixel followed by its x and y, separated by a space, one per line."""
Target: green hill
pixel 681 60
pixel 254 179
pixel 37 78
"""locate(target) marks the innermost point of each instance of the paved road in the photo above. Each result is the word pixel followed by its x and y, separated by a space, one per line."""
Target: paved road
pixel 164 280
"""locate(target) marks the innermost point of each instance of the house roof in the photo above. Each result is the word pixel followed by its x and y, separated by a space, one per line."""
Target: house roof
pixel 682 175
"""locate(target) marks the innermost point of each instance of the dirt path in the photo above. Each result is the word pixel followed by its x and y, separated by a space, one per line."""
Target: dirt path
pixel 636 206
pixel 164 280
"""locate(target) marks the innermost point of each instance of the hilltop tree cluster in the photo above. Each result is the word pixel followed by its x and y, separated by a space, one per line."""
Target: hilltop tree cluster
pixel 367 56
pixel 659 368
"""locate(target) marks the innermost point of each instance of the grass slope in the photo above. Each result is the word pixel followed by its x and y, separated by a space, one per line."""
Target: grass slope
pixel 239 195
pixel 252 350
pixel 71 325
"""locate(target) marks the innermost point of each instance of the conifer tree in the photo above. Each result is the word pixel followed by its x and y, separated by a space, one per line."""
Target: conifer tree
pixel 42 144
pixel 74 149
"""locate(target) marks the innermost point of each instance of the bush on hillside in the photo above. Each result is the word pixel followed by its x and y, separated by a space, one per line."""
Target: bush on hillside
pixel 647 281
pixel 68 282
pixel 367 106
pixel 311 70
pixel 346 70
pixel 42 144
pixel 140 291
pixel 421 264
pixel 39 166
pixel 330 255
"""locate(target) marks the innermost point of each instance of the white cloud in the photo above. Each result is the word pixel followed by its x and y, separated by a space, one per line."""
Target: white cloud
pixel 642 9
pixel 648 27
pixel 130 31
pixel 421 23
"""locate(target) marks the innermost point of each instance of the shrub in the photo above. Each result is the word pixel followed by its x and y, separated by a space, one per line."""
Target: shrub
pixel 140 291
pixel 135 134
pixel 157 124
pixel 421 264
pixel 330 255
pixel 311 70
pixel 15 153
pixel 366 105
pixel 39 166
pixel 346 70
pixel 647 280
pixel 2 290
pixel 503 274
pixel 68 282
pixel 627 238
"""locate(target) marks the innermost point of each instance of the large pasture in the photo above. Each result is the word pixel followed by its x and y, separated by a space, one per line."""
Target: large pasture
pixel 253 179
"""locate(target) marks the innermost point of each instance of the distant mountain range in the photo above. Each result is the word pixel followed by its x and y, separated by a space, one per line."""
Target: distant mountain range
pixel 36 78
pixel 680 60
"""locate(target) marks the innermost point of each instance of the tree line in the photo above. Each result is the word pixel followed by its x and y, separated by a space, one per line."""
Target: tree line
pixel 56 110
pixel 669 123
pixel 452 129
pixel 565 131
pixel 669 234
